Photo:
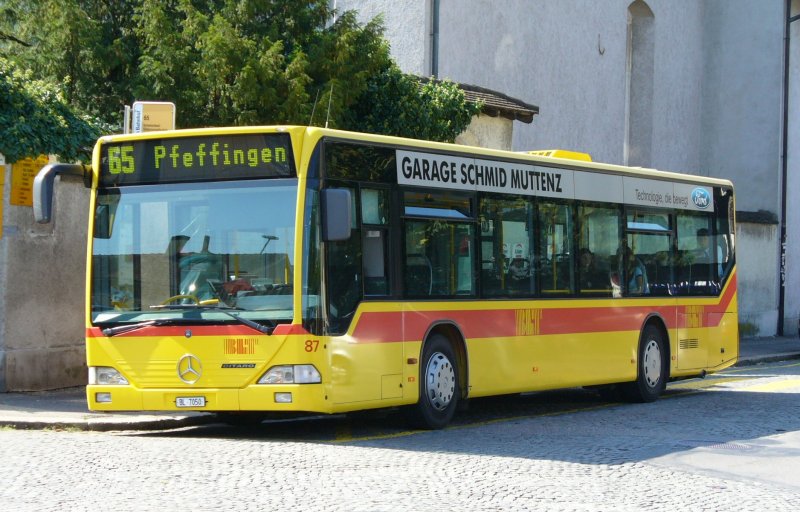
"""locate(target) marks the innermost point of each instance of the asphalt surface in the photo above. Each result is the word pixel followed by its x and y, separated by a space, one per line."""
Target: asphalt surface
pixel 66 408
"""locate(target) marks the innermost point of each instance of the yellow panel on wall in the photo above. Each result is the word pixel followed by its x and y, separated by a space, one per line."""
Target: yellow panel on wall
pixel 22 174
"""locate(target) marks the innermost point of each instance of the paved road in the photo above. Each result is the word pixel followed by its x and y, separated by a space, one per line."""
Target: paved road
pixel 730 442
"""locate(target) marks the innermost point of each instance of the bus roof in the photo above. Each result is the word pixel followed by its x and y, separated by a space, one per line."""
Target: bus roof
pixel 569 159
pixel 444 147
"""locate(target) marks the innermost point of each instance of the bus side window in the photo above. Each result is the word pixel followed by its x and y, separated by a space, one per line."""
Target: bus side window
pixel 439 259
pixel 439 237
pixel 555 243
pixel 645 266
pixel 506 247
pixel 698 256
pixel 598 241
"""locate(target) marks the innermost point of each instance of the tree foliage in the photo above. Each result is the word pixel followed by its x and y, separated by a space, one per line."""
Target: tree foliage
pixel 256 61
pixel 85 47
pixel 34 119
pixel 430 110
pixel 227 62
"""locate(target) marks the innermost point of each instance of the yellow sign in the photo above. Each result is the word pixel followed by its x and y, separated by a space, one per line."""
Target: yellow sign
pixel 22 175
pixel 153 116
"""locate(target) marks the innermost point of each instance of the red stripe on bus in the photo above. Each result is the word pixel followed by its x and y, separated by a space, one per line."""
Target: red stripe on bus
pixel 286 329
pixel 377 327
pixel 503 323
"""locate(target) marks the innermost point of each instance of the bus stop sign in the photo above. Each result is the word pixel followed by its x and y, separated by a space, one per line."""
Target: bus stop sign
pixel 153 116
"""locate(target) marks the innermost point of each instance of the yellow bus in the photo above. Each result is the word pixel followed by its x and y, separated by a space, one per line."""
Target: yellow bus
pixel 287 269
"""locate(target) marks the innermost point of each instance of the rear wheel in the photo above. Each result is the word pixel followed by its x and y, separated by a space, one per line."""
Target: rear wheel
pixel 439 386
pixel 653 368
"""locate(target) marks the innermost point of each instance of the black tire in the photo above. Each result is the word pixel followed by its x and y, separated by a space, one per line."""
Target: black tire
pixel 652 368
pixel 439 386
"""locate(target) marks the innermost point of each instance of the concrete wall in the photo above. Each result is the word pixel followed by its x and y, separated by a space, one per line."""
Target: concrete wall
pixel 488 132
pixel 542 53
pixel 42 279
pixel 758 314
pixel 742 97
pixel 407 29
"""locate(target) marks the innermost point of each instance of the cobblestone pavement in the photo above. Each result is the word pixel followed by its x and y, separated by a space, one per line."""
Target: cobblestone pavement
pixel 731 442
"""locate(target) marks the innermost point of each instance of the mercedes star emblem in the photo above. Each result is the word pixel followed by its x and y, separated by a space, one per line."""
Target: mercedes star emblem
pixel 189 369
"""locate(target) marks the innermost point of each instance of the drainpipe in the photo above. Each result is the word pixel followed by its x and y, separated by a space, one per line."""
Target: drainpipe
pixel 784 164
pixel 435 38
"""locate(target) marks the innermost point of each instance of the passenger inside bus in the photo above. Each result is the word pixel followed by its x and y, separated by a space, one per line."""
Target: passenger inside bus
pixel 636 273
pixel 519 272
pixel 702 254
pixel 591 276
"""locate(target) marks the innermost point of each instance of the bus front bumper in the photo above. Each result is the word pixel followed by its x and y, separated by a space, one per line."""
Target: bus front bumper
pixel 287 398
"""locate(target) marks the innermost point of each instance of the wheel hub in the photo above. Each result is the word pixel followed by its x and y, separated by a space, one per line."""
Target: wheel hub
pixel 440 381
pixel 652 363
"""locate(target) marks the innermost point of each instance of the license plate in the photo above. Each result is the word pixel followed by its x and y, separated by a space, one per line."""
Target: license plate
pixel 190 401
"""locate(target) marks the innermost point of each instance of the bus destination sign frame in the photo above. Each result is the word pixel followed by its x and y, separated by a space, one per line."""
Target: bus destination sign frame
pixel 197 158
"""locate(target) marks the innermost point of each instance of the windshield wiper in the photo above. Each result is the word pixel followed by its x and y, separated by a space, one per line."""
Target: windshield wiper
pixel 113 331
pixel 267 329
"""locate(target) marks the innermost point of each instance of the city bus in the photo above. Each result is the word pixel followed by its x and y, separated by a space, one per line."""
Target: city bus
pixel 255 271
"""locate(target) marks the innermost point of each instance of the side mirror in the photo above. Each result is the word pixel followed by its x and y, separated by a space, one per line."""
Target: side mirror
pixel 336 214
pixel 43 188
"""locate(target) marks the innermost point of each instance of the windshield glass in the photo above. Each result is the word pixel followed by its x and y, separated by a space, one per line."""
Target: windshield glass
pixel 211 244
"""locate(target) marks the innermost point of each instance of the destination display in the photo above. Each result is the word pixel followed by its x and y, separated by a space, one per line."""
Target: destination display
pixel 474 174
pixel 211 157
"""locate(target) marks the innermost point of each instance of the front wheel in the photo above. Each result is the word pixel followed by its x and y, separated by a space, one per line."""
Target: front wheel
pixel 653 368
pixel 439 385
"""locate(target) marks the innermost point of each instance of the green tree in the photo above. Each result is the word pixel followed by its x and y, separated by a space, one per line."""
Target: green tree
pixel 228 62
pixel 86 47
pixel 399 104
pixel 34 119
pixel 257 61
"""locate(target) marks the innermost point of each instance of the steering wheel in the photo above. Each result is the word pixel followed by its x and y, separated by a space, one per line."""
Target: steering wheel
pixel 193 298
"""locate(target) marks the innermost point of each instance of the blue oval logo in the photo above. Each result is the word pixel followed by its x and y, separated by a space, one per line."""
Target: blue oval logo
pixel 701 198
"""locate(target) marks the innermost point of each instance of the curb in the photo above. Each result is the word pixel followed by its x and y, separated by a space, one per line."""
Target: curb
pixel 100 425
pixel 752 361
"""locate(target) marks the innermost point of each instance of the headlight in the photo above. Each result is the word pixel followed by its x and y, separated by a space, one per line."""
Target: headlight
pixel 291 374
pixel 105 375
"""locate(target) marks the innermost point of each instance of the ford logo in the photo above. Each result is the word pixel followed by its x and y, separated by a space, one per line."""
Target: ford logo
pixel 701 198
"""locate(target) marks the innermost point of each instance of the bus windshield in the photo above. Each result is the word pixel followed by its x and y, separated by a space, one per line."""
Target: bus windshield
pixel 193 250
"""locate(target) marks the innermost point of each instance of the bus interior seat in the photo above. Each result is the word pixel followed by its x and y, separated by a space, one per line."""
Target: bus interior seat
pixel 419 275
